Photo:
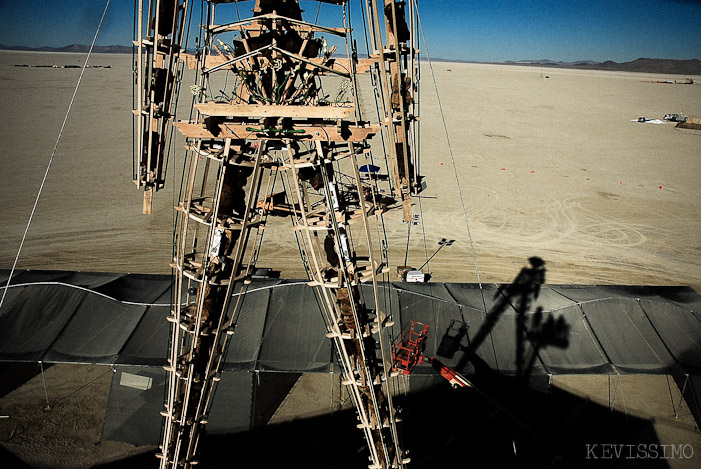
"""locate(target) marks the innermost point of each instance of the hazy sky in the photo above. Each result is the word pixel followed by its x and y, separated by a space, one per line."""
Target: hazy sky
pixel 467 30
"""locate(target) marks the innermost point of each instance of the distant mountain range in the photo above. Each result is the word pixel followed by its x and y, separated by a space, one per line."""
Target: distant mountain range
pixel 670 66
pixel 667 66
pixel 79 48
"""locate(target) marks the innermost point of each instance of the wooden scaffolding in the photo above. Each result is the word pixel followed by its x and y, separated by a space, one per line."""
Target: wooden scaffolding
pixel 274 130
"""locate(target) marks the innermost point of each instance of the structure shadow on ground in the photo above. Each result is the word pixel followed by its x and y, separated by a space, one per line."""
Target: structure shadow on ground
pixel 445 427
pixel 503 421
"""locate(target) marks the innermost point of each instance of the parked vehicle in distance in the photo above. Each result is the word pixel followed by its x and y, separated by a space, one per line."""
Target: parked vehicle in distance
pixel 674 118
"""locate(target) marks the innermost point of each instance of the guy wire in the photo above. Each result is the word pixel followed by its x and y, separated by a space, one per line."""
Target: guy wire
pixel 452 159
pixel 53 153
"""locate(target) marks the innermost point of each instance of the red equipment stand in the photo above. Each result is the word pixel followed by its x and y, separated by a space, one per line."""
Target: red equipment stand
pixel 408 351
pixel 408 348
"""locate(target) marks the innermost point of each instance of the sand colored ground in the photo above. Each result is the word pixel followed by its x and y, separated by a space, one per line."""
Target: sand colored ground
pixel 67 434
pixel 547 166
pixel 551 167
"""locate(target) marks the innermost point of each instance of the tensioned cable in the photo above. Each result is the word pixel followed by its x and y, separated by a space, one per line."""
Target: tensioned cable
pixel 408 237
pixel 452 159
pixel 316 20
pixel 423 232
pixel 137 303
pixel 457 182
pixel 53 154
pixel 133 95
pixel 303 282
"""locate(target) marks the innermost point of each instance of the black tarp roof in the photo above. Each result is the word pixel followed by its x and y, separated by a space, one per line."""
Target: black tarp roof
pixel 108 318
pixel 119 319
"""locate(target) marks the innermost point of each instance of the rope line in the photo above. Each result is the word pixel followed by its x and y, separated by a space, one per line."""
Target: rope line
pixel 423 232
pixel 248 291
pixel 305 282
pixel 452 160
pixel 136 303
pixel 53 153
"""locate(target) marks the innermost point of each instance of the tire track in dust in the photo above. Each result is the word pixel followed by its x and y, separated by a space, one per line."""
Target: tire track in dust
pixel 557 222
pixel 562 231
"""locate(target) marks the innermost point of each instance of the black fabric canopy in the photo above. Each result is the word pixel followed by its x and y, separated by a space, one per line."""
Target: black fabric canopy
pixel 119 319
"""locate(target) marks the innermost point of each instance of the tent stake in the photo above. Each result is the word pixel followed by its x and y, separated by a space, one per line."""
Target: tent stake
pixel 43 379
pixel 681 398
pixel 615 392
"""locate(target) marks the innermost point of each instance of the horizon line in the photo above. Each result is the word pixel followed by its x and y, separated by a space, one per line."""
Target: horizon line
pixel 45 48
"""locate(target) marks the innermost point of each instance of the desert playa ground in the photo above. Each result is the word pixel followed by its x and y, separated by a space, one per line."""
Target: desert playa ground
pixel 548 163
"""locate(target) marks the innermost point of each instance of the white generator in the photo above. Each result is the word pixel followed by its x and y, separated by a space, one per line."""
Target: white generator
pixel 415 276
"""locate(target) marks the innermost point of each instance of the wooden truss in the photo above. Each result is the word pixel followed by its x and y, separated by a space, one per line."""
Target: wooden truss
pixel 277 132
pixel 159 43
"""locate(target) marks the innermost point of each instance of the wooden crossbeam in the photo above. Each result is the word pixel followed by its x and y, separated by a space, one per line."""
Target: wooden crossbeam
pixel 324 133
pixel 334 2
pixel 297 27
pixel 256 110
pixel 341 65
pixel 249 22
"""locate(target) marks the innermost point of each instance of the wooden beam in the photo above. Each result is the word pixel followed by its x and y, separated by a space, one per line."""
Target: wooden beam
pixel 324 133
pixel 362 66
pixel 148 201
pixel 336 64
pixel 227 61
pixel 335 2
pixel 249 24
pixel 256 27
pixel 256 110
pixel 321 62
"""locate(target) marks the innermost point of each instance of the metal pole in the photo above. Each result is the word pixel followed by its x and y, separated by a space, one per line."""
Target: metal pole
pixel 139 98
pixel 442 243
pixel 432 256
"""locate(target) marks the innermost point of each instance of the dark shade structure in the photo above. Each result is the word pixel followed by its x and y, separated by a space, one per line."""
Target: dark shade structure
pixel 105 318
pixel 119 320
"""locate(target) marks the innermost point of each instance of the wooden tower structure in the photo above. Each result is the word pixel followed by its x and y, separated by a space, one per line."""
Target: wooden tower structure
pixel 270 143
